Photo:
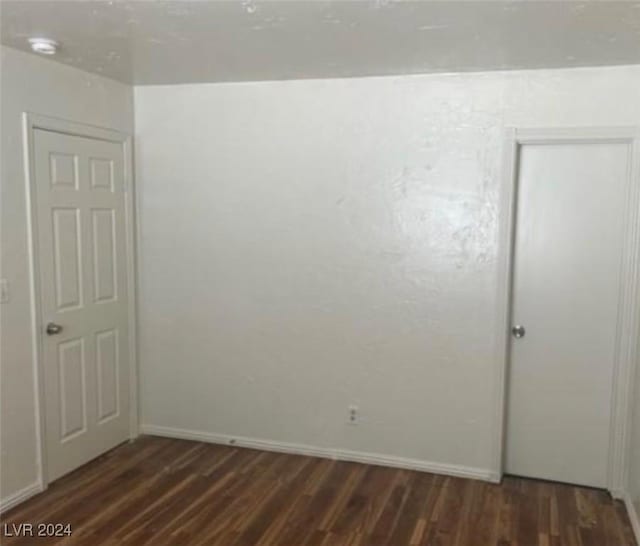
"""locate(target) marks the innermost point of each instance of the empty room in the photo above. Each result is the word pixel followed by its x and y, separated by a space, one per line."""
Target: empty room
pixel 324 273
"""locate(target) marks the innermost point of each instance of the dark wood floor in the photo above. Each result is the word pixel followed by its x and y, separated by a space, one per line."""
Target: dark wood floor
pixel 159 491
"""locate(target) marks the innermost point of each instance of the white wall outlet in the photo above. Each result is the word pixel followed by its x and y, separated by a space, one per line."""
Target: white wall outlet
pixel 4 290
pixel 354 415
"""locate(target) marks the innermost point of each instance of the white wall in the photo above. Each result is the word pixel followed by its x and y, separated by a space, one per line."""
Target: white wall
pixel 30 83
pixel 307 245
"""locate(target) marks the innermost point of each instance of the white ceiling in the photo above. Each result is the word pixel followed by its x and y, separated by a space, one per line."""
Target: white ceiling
pixel 155 42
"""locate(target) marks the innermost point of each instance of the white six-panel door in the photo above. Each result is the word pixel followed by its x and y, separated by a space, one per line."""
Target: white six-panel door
pixel 81 245
pixel 566 285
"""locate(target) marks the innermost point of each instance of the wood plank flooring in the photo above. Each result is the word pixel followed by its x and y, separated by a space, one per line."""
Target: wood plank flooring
pixel 162 492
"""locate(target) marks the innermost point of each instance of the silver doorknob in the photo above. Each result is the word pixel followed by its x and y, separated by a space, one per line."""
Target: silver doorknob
pixel 53 328
pixel 518 331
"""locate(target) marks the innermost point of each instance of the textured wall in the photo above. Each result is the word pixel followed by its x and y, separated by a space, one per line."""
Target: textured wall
pixel 308 245
pixel 44 87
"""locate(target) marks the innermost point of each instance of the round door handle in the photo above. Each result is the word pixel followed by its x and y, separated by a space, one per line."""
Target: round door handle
pixel 53 329
pixel 518 331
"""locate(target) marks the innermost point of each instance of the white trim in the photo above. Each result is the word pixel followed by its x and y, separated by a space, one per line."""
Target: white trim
pixel 628 322
pixel 634 517
pixel 580 135
pixel 66 127
pixel 31 122
pixel 36 348
pixel 628 326
pixel 131 228
pixel 323 452
pixel 20 496
pixel 503 297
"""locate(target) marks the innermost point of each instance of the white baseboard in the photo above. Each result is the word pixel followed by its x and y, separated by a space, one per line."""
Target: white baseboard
pixel 20 496
pixel 634 517
pixel 323 452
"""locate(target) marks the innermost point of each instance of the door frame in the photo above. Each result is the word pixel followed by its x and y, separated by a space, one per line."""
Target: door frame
pixel 628 322
pixel 31 122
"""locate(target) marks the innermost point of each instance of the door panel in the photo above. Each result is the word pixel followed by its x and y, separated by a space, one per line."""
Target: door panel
pixel 82 260
pixel 101 173
pixel 64 170
pixel 107 362
pixel 66 256
pixel 568 252
pixel 73 403
pixel 104 255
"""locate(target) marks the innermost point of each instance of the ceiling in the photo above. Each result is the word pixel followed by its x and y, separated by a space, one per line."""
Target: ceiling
pixel 166 42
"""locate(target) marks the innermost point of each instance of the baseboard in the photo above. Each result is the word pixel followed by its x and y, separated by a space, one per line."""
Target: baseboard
pixel 634 517
pixel 20 496
pixel 323 452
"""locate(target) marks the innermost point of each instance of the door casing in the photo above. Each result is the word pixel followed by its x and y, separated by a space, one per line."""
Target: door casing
pixel 628 322
pixel 31 122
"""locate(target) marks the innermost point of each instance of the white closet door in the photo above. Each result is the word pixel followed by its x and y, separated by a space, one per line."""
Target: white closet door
pixel 567 263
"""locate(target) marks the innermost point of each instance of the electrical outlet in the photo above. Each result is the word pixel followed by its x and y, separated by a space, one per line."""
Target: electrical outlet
pixel 354 415
pixel 4 290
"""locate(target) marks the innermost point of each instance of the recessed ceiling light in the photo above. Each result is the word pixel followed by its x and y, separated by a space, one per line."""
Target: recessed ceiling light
pixel 44 45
